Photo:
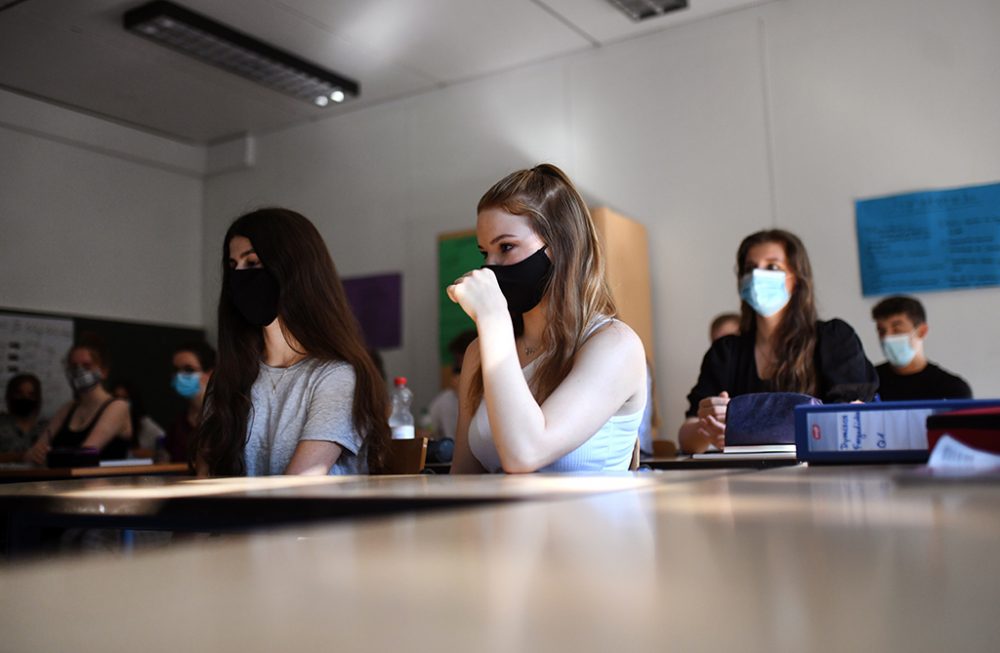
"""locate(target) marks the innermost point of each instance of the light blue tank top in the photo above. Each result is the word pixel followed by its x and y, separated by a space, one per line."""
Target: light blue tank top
pixel 609 449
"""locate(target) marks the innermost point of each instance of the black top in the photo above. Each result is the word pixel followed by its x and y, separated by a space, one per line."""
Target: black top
pixel 67 437
pixel 932 382
pixel 844 374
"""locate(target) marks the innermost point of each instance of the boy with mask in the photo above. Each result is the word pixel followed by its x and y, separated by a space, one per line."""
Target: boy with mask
pixel 902 328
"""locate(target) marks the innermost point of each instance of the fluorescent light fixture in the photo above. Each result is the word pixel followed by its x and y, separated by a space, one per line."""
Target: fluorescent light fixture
pixel 642 9
pixel 206 40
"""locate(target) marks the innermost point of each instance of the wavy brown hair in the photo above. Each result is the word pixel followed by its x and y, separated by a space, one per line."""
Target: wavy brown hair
pixel 795 338
pixel 314 311
pixel 577 290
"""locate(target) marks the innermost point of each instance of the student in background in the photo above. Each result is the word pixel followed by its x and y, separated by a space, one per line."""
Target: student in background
pixel 726 324
pixel 193 365
pixel 294 390
pixel 902 328
pixel 444 408
pixel 782 346
pixel 554 382
pixel 145 430
pixel 20 426
pixel 94 419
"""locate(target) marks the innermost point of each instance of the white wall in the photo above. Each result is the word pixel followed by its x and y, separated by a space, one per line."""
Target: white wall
pixel 97 219
pixel 881 97
pixel 780 115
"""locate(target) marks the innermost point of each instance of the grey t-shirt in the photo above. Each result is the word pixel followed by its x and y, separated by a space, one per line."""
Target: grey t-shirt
pixel 311 400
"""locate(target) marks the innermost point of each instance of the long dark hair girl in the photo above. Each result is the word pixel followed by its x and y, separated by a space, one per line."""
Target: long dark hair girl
pixel 313 311
pixel 794 342
pixel 577 289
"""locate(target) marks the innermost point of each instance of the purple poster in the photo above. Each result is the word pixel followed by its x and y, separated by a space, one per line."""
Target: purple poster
pixel 377 304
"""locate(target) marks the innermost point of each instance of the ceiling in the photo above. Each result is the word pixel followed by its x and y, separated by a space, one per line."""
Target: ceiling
pixel 77 54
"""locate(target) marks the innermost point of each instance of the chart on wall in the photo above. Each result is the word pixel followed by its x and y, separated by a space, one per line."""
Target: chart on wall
pixel 930 240
pixel 37 345
pixel 457 254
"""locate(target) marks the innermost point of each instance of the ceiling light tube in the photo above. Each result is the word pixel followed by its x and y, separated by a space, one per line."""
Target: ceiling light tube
pixel 214 43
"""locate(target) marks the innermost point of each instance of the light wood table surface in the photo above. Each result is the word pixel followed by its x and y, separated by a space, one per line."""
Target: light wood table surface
pixel 788 559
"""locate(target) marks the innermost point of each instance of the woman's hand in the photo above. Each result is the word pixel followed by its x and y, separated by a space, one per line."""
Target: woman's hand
pixel 478 294
pixel 38 453
pixel 712 419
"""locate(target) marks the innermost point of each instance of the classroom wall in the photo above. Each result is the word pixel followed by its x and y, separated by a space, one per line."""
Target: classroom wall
pixel 96 218
pixel 778 115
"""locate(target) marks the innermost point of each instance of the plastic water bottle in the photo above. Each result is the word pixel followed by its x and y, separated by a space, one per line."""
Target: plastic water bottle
pixel 401 419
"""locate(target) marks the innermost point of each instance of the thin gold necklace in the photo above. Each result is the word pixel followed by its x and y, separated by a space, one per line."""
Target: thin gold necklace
pixel 274 383
pixel 284 370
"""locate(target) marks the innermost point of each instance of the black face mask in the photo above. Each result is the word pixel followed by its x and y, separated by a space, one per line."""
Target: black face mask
pixel 523 284
pixel 23 406
pixel 254 292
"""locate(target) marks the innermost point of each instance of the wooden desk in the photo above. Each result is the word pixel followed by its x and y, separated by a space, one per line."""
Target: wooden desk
pixel 789 559
pixel 17 473
pixel 226 504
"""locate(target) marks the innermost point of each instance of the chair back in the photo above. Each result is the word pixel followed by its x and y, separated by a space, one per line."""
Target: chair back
pixel 406 456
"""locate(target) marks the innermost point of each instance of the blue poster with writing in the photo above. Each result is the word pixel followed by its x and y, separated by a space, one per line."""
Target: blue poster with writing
pixel 933 240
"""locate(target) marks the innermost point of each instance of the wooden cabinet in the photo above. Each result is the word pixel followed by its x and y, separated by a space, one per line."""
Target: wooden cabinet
pixel 626 251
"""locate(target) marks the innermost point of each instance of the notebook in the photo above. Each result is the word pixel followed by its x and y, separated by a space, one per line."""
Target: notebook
pixel 761 425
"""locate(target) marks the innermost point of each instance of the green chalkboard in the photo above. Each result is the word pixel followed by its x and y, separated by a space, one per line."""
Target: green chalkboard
pixel 457 254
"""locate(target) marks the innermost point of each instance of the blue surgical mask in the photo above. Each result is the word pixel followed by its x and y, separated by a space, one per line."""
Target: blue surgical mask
pixel 898 349
pixel 186 384
pixel 765 291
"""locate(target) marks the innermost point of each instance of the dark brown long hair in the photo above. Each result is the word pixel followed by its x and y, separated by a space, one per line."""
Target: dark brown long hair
pixel 794 345
pixel 314 311
pixel 577 289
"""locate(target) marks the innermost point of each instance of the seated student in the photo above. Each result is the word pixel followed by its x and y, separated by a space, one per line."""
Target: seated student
pixel 193 365
pixel 94 419
pixel 444 408
pixel 294 391
pixel 902 328
pixel 725 324
pixel 782 346
pixel 554 382
pixel 20 426
pixel 145 430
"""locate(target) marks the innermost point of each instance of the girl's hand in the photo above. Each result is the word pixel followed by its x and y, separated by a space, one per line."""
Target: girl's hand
pixel 37 453
pixel 478 294
pixel 712 419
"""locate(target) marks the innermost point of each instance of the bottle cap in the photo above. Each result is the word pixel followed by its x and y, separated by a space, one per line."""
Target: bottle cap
pixel 400 380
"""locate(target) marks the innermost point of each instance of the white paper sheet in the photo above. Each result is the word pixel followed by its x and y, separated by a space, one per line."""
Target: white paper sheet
pixel 949 453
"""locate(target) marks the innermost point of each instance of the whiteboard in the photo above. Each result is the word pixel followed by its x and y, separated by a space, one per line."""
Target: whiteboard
pixel 37 345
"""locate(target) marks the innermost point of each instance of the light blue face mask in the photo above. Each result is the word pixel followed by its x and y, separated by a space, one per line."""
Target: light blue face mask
pixel 186 384
pixel 765 291
pixel 898 350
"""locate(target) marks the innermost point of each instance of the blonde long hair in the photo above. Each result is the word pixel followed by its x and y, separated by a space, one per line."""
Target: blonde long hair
pixel 577 290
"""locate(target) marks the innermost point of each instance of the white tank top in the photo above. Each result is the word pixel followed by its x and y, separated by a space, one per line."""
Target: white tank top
pixel 609 449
